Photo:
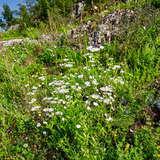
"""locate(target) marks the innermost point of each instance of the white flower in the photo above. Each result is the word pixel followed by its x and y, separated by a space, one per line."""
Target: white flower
pixel 27 85
pixel 48 110
pixel 87 102
pixel 30 93
pixel 65 60
pixel 87 83
pixel 106 89
pixel 58 113
pixel 44 122
pixel 95 82
pixel 88 108
pixel 95 104
pixel 116 67
pixel 25 145
pixel 34 88
pixel 53 102
pixel 35 108
pixel 62 91
pixel 108 118
pixel 95 96
pixel 94 49
pixel 47 98
pixel 44 133
pixel 80 76
pixel 78 126
pixel 38 124
pixel 42 78
pixel 32 101
pixel 51 83
pixel 91 77
pixel 107 101
pixel 69 65
pixel 122 71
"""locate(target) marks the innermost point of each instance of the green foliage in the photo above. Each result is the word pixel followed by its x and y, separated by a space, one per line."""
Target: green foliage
pixel 59 103
pixel 47 57
pixel 7 14
pixel 155 3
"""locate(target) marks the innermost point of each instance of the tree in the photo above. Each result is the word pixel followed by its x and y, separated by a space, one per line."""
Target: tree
pixel 7 14
pixel 24 16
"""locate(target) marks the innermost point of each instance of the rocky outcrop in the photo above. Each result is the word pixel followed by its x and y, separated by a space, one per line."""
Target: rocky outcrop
pixel 105 29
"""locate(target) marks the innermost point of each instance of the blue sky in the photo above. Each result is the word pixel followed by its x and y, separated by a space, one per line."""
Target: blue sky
pixel 11 3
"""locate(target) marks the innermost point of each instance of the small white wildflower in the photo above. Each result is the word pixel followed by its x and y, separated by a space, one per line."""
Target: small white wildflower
pixel 53 102
pixel 51 83
pixel 88 108
pixel 34 88
pixel 62 90
pixel 122 71
pixel 58 113
pixel 107 101
pixel 65 60
pixel 27 85
pixel 87 83
pixel 95 82
pixel 30 93
pixel 48 110
pixel 108 118
pixel 44 122
pixel 95 96
pixel 25 145
pixel 91 77
pixel 80 76
pixel 47 98
pixel 94 49
pixel 44 133
pixel 35 108
pixel 116 67
pixel 38 125
pixel 87 102
pixel 95 104
pixel 106 89
pixel 78 126
pixel 92 61
pixel 32 101
pixel 69 65
pixel 42 78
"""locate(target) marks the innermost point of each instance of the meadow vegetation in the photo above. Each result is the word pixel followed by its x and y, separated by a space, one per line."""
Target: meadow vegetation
pixel 57 102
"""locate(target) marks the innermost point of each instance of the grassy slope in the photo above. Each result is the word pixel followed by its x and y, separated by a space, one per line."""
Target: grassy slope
pixel 53 105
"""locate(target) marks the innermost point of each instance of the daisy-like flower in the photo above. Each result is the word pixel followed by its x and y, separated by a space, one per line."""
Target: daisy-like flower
pixel 35 108
pixel 32 101
pixel 116 67
pixel 38 125
pixel 94 49
pixel 48 110
pixel 78 126
pixel 80 76
pixel 95 96
pixel 106 89
pixel 108 118
pixel 44 133
pixel 34 88
pixel 95 104
pixel 42 78
pixel 87 83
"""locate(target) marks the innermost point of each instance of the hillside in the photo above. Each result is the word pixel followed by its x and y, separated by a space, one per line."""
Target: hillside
pixel 85 89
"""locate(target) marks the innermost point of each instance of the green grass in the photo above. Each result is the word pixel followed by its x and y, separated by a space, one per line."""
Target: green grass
pixel 58 103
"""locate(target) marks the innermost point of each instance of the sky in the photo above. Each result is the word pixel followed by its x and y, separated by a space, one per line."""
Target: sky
pixel 12 3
